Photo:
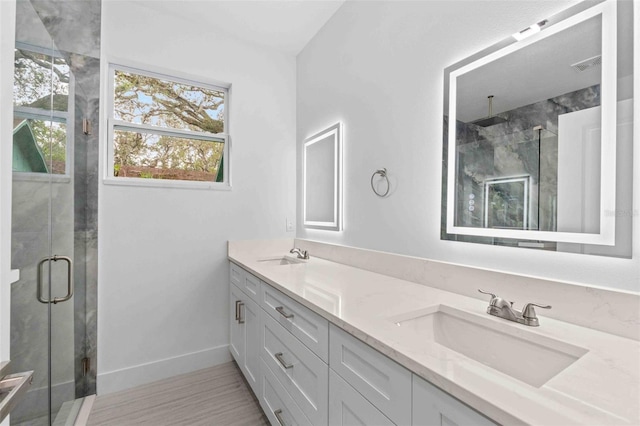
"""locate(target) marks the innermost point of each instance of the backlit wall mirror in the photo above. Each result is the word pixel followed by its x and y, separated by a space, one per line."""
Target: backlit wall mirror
pixel 538 136
pixel 322 179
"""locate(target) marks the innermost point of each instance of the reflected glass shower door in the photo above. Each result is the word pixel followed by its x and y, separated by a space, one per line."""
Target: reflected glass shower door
pixel 48 312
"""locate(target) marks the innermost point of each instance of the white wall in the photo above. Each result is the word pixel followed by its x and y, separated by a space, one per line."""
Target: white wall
pixel 378 67
pixel 163 274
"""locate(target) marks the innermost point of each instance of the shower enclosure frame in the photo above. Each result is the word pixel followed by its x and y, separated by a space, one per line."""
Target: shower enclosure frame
pixel 62 22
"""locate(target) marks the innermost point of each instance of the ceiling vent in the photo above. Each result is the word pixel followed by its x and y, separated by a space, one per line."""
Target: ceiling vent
pixel 587 63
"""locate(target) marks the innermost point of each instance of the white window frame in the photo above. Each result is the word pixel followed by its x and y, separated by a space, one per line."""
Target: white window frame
pixel 50 115
pixel 113 124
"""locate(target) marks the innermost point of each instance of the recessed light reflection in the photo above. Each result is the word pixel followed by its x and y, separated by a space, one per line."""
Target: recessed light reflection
pixel 529 31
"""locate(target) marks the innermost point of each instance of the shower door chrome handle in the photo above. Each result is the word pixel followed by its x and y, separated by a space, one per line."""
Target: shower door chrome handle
pixel 69 294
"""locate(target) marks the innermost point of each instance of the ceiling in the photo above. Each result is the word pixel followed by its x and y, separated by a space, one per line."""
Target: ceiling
pixel 286 26
pixel 539 71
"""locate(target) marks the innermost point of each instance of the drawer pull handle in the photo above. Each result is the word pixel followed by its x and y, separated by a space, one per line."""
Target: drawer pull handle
pixel 239 306
pixel 280 309
pixel 238 310
pixel 282 362
pixel 278 413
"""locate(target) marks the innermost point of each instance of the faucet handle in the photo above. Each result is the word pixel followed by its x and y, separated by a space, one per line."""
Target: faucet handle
pixel 529 314
pixel 497 302
pixel 493 296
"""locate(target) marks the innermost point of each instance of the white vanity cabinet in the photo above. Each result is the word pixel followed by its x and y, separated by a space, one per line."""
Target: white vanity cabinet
pixel 244 335
pixel 245 281
pixel 347 407
pixel 305 371
pixel 309 327
pixel 300 371
pixel 433 407
pixel 236 329
pixel 383 382
pixel 276 402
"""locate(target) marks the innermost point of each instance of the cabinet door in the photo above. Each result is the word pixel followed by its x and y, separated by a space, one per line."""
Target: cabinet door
pixel 348 408
pixel 433 407
pixel 252 342
pixel 236 330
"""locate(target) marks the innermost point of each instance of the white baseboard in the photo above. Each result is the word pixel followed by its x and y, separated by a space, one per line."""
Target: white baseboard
pixel 114 381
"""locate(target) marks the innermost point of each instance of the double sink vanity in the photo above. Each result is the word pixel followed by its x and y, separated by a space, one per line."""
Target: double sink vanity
pixel 321 342
pixel 353 336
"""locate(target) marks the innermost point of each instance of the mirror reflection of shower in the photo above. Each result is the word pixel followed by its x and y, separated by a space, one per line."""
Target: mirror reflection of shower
pixel 508 180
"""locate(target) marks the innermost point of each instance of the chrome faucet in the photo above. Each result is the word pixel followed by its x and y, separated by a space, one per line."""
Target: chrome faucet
pixel 501 308
pixel 302 254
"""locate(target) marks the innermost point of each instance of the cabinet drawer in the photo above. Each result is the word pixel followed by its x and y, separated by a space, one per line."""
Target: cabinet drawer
pixel 245 281
pixel 276 402
pixel 300 371
pixel 433 407
pixel 251 286
pixel 236 275
pixel 380 380
pixel 347 407
pixel 306 325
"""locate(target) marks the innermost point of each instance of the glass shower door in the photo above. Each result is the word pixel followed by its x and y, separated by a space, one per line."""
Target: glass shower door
pixel 42 302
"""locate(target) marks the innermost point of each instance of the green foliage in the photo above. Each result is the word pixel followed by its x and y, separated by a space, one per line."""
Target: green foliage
pixel 40 81
pixel 148 100
pixel 152 101
pixel 51 138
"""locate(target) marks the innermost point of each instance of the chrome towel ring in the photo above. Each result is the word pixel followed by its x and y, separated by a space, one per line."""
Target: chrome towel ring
pixel 382 173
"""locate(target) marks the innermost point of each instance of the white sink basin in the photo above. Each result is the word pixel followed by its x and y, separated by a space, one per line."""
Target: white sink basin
pixel 282 260
pixel 504 346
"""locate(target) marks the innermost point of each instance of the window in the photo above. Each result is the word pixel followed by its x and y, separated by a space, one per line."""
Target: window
pixel 165 129
pixel 40 104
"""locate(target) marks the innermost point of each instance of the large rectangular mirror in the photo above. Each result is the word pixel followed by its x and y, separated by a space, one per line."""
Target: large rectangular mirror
pixel 533 131
pixel 322 177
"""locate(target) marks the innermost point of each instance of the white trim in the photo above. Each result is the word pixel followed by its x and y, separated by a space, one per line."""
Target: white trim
pixel 40 177
pixel 167 131
pixel 166 183
pixel 606 236
pixel 336 223
pixel 114 124
pixel 41 114
pixel 171 75
pixel 39 49
pixel 136 375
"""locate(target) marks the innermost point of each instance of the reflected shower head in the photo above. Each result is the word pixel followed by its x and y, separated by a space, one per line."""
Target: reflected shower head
pixel 490 120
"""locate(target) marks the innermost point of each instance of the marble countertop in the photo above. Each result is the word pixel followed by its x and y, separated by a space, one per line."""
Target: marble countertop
pixel 601 388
